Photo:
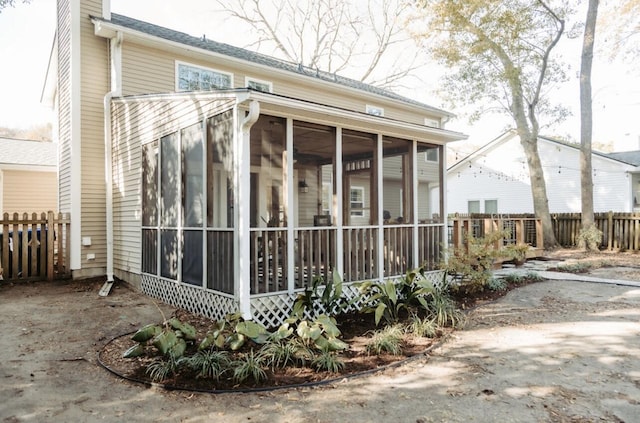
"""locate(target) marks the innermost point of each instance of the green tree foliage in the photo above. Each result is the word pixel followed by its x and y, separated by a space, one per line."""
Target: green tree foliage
pixel 499 53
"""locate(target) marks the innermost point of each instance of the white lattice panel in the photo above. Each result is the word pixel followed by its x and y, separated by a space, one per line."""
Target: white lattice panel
pixel 272 310
pixel 268 310
pixel 195 300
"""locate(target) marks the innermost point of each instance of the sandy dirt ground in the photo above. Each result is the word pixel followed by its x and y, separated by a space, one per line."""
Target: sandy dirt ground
pixel 554 351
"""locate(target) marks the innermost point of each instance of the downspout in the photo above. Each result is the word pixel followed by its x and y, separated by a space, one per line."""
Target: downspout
pixel 243 252
pixel 115 50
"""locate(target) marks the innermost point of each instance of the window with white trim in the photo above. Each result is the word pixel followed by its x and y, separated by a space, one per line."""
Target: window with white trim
pixel 259 85
pixel 473 206
pixel 491 206
pixel 356 199
pixel 431 155
pixel 195 78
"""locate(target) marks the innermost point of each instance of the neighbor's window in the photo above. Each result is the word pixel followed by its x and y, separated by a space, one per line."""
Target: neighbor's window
pixel 473 206
pixel 195 78
pixel 491 206
pixel 357 201
pixel 258 85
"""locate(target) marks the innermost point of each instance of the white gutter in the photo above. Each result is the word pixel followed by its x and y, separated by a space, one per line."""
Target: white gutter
pixel 243 169
pixel 116 56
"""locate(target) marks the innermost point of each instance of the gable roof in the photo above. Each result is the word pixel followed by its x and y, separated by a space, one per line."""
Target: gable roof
pixel 202 43
pixel 28 153
pixel 627 158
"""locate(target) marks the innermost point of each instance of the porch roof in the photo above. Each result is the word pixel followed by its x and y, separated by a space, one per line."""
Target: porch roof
pixel 312 112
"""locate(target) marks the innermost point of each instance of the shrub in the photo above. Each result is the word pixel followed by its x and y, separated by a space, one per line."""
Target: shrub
pixel 473 266
pixel 590 238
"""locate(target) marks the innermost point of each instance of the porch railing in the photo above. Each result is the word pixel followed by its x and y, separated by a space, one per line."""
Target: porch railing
pixel 35 247
pixel 315 254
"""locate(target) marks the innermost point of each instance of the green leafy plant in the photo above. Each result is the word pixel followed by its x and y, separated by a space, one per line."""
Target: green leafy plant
pixel 516 252
pixel 162 368
pixel 209 364
pixel 388 298
pixel 233 332
pixel 327 295
pixel 169 339
pixel 424 327
pixel 329 361
pixel 249 366
pixel 280 354
pixel 444 310
pixel 387 340
pixel 472 266
pixel 496 284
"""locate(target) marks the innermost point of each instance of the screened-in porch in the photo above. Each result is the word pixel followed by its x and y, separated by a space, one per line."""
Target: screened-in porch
pixel 243 207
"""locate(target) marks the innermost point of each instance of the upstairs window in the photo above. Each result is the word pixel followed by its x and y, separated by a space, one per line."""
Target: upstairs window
pixel 374 110
pixel 259 85
pixel 194 78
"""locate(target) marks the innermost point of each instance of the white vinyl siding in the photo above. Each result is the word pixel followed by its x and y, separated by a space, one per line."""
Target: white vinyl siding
pixel 502 174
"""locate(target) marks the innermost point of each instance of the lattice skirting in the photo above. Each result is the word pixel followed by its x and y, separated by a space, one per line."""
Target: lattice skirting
pixel 195 300
pixel 269 310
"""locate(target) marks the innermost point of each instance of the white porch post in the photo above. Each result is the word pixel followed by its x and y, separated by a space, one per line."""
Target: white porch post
pixel 380 200
pixel 337 204
pixel 443 191
pixel 414 194
pixel 291 185
pixel 242 250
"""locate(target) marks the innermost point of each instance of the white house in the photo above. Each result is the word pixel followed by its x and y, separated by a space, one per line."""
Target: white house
pixel 495 179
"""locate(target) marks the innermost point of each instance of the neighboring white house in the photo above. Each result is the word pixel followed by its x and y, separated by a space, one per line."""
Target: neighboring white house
pixel 495 179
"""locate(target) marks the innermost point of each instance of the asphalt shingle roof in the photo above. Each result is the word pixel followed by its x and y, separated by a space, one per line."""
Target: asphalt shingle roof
pixel 244 54
pixel 24 152
pixel 631 157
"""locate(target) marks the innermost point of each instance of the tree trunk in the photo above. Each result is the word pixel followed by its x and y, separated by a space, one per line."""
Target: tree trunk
pixel 586 116
pixel 529 143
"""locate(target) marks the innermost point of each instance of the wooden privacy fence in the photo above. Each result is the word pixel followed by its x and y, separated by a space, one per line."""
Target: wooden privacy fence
pixel 35 247
pixel 621 231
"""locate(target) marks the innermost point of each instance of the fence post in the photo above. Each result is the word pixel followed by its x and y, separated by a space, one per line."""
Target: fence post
pixel 610 230
pixel 50 231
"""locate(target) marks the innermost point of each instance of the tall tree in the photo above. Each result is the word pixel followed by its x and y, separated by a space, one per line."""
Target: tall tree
pixel 499 53
pixel 9 3
pixel 365 40
pixel 586 119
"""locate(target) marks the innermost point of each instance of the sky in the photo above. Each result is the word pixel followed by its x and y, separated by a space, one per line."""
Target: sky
pixel 27 30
